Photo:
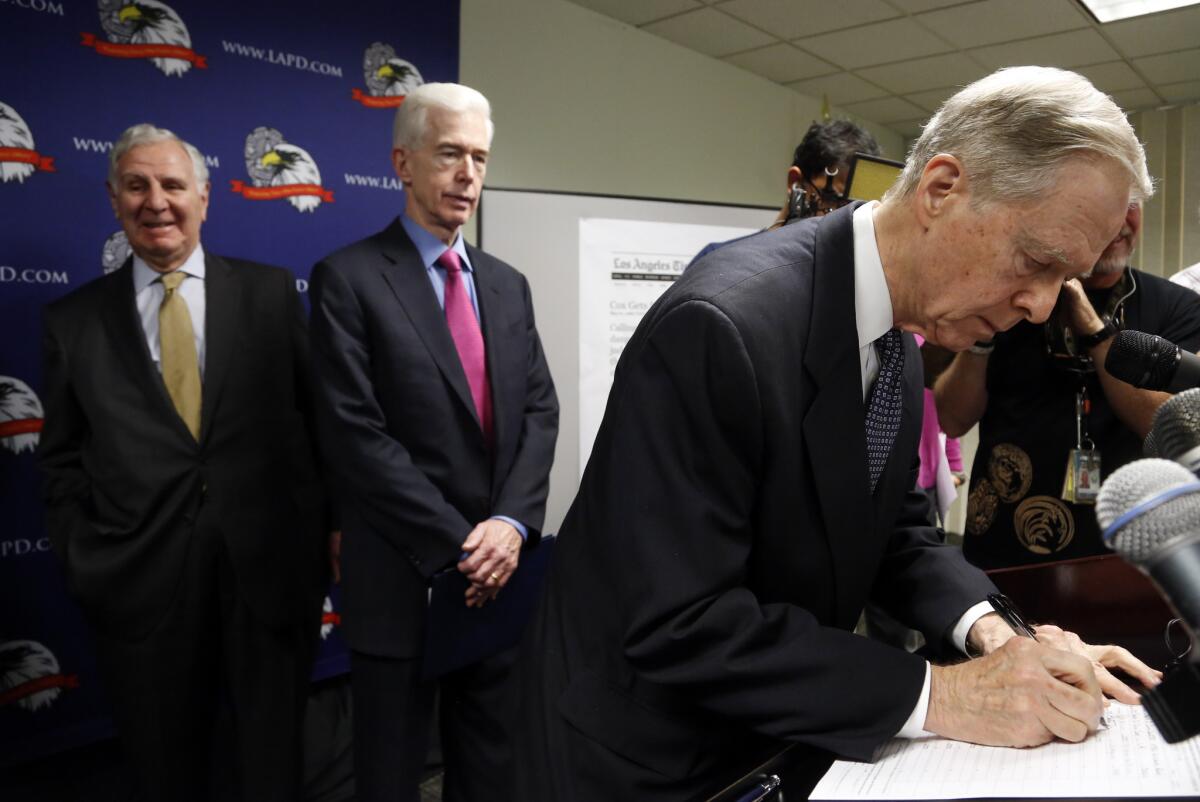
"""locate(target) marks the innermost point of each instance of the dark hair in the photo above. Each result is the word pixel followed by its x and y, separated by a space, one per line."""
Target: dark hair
pixel 831 144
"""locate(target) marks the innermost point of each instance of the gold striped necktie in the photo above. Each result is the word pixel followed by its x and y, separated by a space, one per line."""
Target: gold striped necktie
pixel 177 340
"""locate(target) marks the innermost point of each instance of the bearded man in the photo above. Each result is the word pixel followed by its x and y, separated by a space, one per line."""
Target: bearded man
pixel 1052 422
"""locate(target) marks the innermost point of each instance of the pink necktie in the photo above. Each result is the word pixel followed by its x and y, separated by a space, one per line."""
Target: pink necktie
pixel 468 339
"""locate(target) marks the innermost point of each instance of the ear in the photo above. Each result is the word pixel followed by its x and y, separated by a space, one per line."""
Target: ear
pixel 794 177
pixel 400 157
pixel 204 200
pixel 112 199
pixel 1133 218
pixel 943 182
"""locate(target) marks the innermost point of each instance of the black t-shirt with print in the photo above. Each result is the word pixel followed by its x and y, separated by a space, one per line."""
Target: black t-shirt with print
pixel 1015 513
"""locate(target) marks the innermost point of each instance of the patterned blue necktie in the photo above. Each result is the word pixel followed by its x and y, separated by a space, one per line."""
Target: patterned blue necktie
pixel 884 404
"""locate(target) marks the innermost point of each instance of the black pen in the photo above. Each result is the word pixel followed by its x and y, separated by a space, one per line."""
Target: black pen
pixel 1008 611
pixel 762 790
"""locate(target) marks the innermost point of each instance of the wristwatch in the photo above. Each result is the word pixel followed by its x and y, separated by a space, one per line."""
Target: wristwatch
pixel 1090 341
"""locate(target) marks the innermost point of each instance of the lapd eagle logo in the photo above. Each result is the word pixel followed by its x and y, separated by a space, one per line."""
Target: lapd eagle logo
pixel 115 253
pixel 388 75
pixel 272 162
pixel 20 416
pixel 29 675
pixel 329 618
pixel 147 22
pixel 14 133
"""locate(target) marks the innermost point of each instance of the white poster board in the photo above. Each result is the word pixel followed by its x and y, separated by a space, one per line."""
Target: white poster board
pixel 624 266
pixel 539 234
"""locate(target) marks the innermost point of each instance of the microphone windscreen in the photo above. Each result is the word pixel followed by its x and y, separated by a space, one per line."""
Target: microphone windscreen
pixel 1139 482
pixel 1176 427
pixel 1150 445
pixel 1141 359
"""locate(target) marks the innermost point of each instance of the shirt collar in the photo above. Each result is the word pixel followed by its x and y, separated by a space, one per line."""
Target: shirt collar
pixel 872 302
pixel 430 247
pixel 144 275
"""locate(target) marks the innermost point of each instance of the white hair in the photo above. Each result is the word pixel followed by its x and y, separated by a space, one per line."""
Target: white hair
pixel 147 134
pixel 1015 128
pixel 409 128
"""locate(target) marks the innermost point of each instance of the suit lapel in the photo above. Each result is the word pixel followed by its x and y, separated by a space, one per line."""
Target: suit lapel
pixel 222 308
pixel 833 427
pixel 124 324
pixel 405 274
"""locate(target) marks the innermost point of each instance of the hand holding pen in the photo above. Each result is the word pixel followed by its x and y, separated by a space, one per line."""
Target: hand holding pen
pixel 1103 657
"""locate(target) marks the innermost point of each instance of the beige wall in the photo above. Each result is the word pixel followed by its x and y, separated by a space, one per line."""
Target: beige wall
pixel 1171 232
pixel 584 103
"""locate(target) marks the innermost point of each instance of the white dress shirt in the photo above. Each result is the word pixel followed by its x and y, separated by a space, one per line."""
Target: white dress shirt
pixel 873 317
pixel 149 292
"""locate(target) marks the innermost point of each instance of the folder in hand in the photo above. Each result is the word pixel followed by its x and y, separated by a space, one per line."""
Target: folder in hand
pixel 457 636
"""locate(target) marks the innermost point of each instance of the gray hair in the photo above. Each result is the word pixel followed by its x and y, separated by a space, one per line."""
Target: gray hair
pixel 147 134
pixel 408 131
pixel 1015 128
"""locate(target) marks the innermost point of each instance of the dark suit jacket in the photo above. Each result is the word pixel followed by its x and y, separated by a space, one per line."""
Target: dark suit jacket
pixel 399 429
pixel 724 541
pixel 127 486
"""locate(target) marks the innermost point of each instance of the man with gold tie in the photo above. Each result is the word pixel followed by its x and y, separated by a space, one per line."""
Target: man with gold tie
pixel 181 488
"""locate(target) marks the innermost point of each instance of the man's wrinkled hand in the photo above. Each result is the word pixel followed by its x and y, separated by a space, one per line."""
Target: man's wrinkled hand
pixel 493 551
pixel 1103 658
pixel 1023 693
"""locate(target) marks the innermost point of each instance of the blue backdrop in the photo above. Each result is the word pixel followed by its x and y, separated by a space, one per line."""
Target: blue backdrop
pixel 237 80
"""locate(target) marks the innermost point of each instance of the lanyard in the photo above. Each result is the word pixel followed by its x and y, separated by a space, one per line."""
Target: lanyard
pixel 1083 407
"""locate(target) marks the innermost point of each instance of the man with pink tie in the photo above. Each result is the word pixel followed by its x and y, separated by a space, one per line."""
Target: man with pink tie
pixel 438 417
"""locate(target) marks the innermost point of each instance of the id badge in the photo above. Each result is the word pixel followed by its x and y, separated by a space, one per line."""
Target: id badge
pixel 1082 482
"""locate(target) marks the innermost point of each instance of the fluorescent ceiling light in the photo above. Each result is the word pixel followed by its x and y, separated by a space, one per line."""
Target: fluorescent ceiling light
pixel 1112 10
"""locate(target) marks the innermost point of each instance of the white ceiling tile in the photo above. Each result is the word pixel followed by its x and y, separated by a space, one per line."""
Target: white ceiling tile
pixel 991 21
pixel 932 100
pixel 877 43
pixel 1158 33
pixel 1112 76
pixel 841 88
pixel 886 110
pixel 1180 92
pixel 1057 50
pixel 638 12
pixel 916 6
pixel 1136 99
pixel 1170 68
pixel 904 77
pixel 790 20
pixel 709 32
pixel 781 63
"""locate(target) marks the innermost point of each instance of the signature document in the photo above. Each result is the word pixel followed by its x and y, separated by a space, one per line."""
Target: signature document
pixel 1127 759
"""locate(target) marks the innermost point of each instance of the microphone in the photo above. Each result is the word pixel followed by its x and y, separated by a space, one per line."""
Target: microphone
pixel 1175 433
pixel 1149 511
pixel 1151 363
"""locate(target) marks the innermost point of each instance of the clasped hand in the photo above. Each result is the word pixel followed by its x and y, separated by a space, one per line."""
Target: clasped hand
pixel 493 549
